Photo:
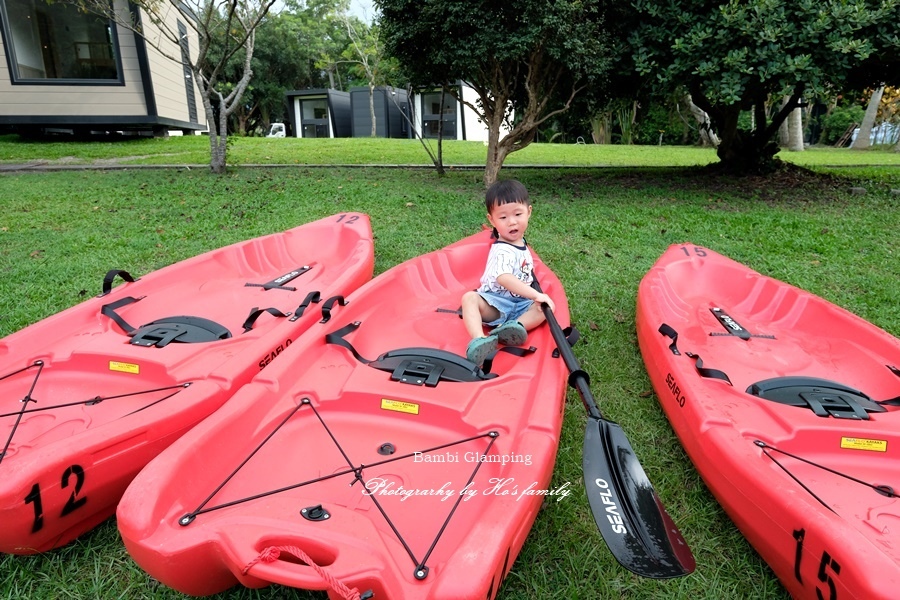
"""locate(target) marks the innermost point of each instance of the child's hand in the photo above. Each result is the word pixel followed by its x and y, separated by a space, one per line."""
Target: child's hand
pixel 545 299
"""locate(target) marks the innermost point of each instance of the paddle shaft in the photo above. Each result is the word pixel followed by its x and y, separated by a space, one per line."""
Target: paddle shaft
pixel 578 378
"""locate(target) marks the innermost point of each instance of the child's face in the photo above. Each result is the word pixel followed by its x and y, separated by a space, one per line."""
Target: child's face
pixel 510 221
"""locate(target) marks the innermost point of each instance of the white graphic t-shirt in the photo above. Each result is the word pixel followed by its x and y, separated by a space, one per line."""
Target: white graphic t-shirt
pixel 506 258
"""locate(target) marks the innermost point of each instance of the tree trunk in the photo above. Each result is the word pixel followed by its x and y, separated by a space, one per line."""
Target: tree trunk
pixel 372 108
pixel 440 142
pixel 492 166
pixel 733 140
pixel 601 128
pixel 784 132
pixel 409 115
pixel 217 121
pixel 216 155
pixel 863 138
pixel 795 130
pixel 218 144
pixel 748 151
pixel 496 152
pixel 708 137
pixel 266 118
pixel 494 102
pixel 743 151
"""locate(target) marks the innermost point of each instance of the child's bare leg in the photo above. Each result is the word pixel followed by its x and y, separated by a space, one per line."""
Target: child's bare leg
pixel 475 312
pixel 532 317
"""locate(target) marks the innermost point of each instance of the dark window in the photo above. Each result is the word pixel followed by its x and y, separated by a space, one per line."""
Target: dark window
pixel 57 43
pixel 433 113
pixel 314 118
pixel 188 74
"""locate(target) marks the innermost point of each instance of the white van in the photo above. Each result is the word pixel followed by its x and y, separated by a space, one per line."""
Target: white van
pixel 277 130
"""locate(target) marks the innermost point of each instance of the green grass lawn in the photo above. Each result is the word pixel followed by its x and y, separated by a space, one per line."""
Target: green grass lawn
pixel 599 229
pixel 194 150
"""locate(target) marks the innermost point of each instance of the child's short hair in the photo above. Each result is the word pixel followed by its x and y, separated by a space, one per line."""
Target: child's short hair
pixel 507 191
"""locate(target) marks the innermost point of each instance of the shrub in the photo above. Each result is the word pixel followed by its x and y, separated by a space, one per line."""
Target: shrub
pixel 660 119
pixel 839 121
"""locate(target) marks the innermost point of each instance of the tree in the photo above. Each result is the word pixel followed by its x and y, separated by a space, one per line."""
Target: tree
pixel 326 38
pixel 527 58
pixel 737 56
pixel 232 24
pixel 289 47
pixel 281 61
pixel 366 52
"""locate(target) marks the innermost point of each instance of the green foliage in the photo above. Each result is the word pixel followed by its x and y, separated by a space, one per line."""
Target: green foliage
pixel 290 47
pixel 367 60
pixel 446 40
pixel 659 122
pixel 839 120
pixel 773 45
pixel 738 55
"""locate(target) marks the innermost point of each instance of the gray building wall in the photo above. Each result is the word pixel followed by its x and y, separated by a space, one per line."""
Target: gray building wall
pixel 389 104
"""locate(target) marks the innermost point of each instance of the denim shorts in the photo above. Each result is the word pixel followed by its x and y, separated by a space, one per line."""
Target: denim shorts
pixel 510 308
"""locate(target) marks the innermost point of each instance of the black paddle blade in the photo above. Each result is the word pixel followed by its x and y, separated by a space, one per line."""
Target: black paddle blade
pixel 631 518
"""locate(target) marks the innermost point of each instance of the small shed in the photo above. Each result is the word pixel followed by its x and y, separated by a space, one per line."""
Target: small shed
pixel 391 109
pixel 319 113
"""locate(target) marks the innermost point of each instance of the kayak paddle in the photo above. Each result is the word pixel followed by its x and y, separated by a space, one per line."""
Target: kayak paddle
pixel 630 516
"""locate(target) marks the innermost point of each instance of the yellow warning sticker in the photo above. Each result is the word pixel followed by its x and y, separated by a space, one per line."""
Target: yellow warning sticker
pixel 398 406
pixel 864 444
pixel 124 367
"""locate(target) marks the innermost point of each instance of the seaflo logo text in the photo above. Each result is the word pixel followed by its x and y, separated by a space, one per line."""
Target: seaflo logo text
pixel 613 514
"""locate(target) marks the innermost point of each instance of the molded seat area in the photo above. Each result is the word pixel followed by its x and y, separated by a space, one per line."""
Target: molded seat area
pixel 825 398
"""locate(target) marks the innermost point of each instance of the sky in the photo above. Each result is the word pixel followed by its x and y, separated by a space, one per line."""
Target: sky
pixel 362 9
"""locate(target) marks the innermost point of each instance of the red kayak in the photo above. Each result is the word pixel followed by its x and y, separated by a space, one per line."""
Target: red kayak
pixel 788 406
pixel 90 395
pixel 371 456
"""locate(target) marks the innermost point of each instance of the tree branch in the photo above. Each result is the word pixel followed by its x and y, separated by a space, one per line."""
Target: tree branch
pixel 795 101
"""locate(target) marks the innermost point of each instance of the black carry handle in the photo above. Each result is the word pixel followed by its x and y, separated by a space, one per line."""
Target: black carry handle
pixel 255 312
pixel 328 305
pixel 310 298
pixel 111 276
